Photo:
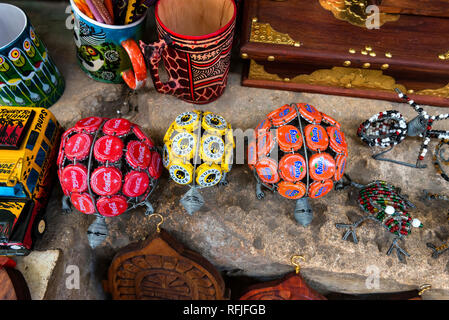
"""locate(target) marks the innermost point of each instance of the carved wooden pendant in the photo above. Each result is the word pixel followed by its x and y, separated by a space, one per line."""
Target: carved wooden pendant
pixel 12 283
pixel 291 287
pixel 162 268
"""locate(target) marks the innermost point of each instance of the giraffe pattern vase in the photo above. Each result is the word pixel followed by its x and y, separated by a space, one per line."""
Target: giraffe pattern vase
pixel 28 76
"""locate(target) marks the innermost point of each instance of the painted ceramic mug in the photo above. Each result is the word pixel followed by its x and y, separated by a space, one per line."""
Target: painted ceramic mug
pixel 28 76
pixel 195 41
pixel 103 51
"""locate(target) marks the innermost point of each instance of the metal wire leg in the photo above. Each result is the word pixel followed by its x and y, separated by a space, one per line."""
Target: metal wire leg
pixel 399 251
pixel 378 157
pixel 259 193
pixel 351 229
pixel 66 208
pixel 437 251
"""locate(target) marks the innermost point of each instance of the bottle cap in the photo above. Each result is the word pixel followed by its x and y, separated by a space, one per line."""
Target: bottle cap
pixel 252 154
pixel 138 155
pixel 316 137
pixel 337 140
pixel 118 127
pixel 108 148
pixel 187 120
pixel 112 206
pixel 214 123
pixel 74 178
pixel 267 170
pixel 142 136
pixel 228 159
pixel 90 124
pixel 136 183
pixel 265 144
pixel 106 181
pixel 170 134
pixel 263 126
pixel 319 189
pixel 208 175
pixel 292 190
pixel 292 167
pixel 283 115
pixel 321 166
pixel 82 202
pixel 184 145
pixel 181 173
pixel 329 120
pixel 289 138
pixel 166 156
pixel 309 113
pixel 212 148
pixel 78 146
pixel 340 163
pixel 155 168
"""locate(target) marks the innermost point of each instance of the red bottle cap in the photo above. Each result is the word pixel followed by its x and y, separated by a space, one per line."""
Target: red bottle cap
pixel 118 127
pixel 292 190
pixel 90 124
pixel 62 144
pixel 337 140
pixel 289 138
pixel 155 168
pixel 319 189
pixel 82 202
pixel 108 148
pixel 292 167
pixel 321 166
pixel 74 178
pixel 138 155
pixel 142 136
pixel 316 137
pixel 78 146
pixel 112 206
pixel 283 115
pixel 328 119
pixel 265 144
pixel 106 181
pixel 309 113
pixel 340 162
pixel 136 183
pixel 267 170
pixel 252 154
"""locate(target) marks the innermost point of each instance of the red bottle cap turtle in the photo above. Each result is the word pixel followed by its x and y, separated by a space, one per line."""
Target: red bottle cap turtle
pixel 108 148
pixel 155 168
pixel 309 113
pixel 82 202
pixel 78 146
pixel 283 115
pixel 321 166
pixel 292 167
pixel 74 178
pixel 90 124
pixel 118 127
pixel 289 138
pixel 337 140
pixel 112 206
pixel 136 183
pixel 316 137
pixel 340 162
pixel 319 189
pixel 138 155
pixel 291 190
pixel 106 181
pixel 267 169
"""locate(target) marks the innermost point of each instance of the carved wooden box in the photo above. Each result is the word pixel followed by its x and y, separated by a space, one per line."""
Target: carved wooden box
pixel 326 46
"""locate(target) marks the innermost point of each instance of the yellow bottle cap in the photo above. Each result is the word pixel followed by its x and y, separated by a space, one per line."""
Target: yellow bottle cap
pixel 214 123
pixel 212 148
pixel 187 121
pixel 208 175
pixel 229 136
pixel 166 156
pixel 181 173
pixel 228 158
pixel 183 145
pixel 169 134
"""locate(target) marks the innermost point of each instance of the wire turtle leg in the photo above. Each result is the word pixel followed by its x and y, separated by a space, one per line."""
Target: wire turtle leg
pixel 224 182
pixel 437 251
pixel 66 207
pixel 150 209
pixel 351 229
pixel 399 251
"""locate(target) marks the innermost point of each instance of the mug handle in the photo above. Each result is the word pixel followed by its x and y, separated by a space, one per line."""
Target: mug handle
pixel 153 53
pixel 136 77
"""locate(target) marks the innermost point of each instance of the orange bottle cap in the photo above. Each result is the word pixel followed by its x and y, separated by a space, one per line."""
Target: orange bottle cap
pixel 319 189
pixel 283 115
pixel 267 170
pixel 321 166
pixel 337 140
pixel 292 167
pixel 289 138
pixel 309 113
pixel 340 162
pixel 292 190
pixel 316 137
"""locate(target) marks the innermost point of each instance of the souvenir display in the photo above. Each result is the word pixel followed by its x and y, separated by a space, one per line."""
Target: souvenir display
pixel 161 268
pixel 198 152
pixel 312 150
pixel 389 128
pixel 383 204
pixel 28 75
pixel 107 167
pixel 13 285
pixel 195 47
pixel 29 140
pixel 107 52
pixel 347 48
pixel 291 287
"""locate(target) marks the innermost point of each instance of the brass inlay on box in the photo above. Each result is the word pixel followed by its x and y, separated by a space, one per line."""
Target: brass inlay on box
pixel 264 33
pixel 344 77
pixel 444 56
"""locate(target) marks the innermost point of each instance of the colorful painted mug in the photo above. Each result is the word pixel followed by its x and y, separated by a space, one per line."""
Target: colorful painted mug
pixel 28 76
pixel 103 51
pixel 195 41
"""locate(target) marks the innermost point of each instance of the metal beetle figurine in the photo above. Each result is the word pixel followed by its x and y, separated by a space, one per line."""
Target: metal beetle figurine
pixel 312 150
pixel 107 167
pixel 198 152
pixel 383 204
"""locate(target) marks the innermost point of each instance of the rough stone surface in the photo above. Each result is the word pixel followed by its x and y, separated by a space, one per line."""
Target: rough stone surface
pixel 239 234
